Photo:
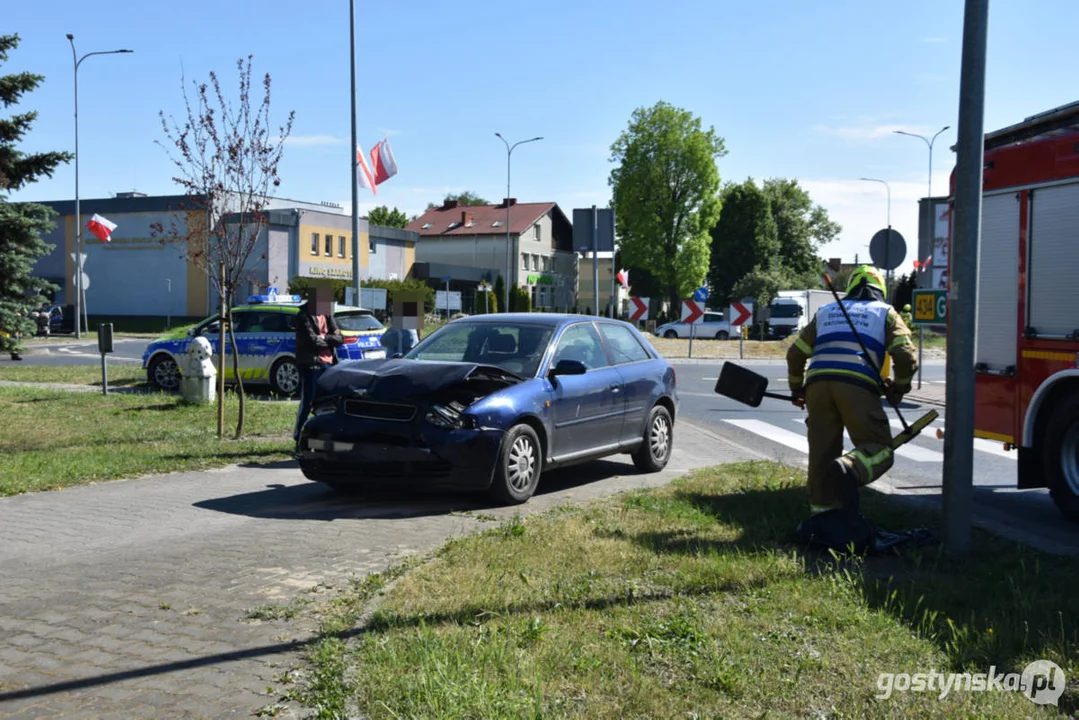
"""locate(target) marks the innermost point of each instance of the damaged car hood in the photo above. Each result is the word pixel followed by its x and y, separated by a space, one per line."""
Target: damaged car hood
pixel 397 379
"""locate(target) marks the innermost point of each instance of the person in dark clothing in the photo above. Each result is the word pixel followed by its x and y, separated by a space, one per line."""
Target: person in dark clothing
pixel 316 337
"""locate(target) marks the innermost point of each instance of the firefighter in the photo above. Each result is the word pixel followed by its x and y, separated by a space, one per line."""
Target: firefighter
pixel 906 315
pixel 840 389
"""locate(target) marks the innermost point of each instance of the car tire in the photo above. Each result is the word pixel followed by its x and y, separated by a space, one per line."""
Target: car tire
pixel 1061 455
pixel 655 452
pixel 285 377
pixel 670 334
pixel 163 373
pixel 520 464
pixel 723 335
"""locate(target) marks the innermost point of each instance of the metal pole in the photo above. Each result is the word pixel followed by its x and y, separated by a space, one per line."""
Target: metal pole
pixel 509 266
pixel 611 304
pixel 595 261
pixel 357 283
pixel 79 290
pixel 888 237
pixel 957 480
pixel 168 304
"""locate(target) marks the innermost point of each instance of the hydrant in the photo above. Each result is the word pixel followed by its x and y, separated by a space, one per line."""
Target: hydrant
pixel 197 378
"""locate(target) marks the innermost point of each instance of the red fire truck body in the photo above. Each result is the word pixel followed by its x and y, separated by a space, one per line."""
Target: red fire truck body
pixel 1027 335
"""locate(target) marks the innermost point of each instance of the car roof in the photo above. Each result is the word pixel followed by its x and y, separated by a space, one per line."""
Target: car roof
pixel 553 320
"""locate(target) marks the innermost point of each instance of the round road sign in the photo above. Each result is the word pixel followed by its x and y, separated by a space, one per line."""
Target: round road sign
pixel 888 252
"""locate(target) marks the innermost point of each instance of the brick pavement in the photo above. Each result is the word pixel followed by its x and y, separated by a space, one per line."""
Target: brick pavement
pixel 128 599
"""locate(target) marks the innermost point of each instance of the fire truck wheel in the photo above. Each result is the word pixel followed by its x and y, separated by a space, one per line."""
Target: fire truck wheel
pixel 1062 455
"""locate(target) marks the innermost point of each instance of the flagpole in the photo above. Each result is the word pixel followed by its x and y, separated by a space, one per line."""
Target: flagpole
pixel 357 283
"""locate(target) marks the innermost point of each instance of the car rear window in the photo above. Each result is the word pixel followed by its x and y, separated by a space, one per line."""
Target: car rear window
pixel 357 322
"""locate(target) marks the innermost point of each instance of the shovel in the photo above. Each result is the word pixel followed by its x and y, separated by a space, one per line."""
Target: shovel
pixel 749 388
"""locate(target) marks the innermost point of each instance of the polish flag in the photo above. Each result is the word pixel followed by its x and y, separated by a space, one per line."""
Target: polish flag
pixel 100 227
pixel 363 172
pixel 382 161
pixel 623 277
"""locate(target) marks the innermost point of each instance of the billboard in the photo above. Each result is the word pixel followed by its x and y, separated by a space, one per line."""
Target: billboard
pixel 933 244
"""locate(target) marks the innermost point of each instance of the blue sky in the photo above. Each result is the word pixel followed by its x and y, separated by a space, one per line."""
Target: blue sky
pixel 809 90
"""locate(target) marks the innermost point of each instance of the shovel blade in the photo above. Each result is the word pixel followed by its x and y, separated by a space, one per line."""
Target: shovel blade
pixel 741 384
pixel 916 428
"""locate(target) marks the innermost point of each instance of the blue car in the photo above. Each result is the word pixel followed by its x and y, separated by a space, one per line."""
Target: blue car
pixel 490 402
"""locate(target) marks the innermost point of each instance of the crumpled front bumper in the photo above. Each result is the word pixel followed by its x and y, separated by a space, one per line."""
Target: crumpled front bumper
pixel 351 451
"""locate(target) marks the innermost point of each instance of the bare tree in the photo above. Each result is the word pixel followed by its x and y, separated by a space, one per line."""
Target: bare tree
pixel 226 156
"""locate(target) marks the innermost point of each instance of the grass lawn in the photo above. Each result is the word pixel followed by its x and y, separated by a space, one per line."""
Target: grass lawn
pixel 52 439
pixel 689 602
pixel 711 348
pixel 120 375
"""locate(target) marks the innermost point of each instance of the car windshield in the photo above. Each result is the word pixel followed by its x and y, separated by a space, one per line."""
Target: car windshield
pixel 516 347
pixel 786 310
pixel 357 322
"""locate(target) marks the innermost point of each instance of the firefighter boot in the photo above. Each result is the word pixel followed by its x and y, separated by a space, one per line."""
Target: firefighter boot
pixel 844 481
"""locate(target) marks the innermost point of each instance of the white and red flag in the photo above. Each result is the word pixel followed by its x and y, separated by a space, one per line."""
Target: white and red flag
pixel 623 277
pixel 101 227
pixel 363 172
pixel 383 162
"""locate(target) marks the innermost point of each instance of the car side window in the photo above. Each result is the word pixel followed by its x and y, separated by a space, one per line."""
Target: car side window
pixel 243 322
pixel 625 348
pixel 581 342
pixel 273 322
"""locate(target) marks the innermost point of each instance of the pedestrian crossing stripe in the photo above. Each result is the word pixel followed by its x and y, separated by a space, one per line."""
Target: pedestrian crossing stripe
pixel 799 442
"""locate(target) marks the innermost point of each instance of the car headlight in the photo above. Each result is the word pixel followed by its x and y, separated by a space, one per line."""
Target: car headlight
pixel 451 416
pixel 325 409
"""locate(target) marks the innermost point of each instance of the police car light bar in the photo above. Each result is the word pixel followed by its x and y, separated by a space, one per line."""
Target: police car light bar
pixel 290 299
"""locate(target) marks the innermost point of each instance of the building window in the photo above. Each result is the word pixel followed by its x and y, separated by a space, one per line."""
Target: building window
pixel 314 243
pixel 524 262
pixel 329 245
pixel 535 263
pixel 372 248
pixel 340 246
pixel 546 263
pixel 536 233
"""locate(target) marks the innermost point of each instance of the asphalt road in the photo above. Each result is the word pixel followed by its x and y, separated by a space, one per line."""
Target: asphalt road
pixel 776 430
pixel 69 351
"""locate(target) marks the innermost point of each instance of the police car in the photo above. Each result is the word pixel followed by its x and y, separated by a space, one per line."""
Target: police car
pixel 265 330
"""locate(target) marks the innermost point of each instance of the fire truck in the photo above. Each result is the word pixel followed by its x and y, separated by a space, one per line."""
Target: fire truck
pixel 1027 335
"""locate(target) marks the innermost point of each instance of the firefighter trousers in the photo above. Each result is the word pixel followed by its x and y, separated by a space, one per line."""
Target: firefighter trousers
pixel 832 406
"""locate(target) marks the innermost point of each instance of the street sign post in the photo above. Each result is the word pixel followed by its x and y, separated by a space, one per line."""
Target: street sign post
pixel 693 313
pixel 638 309
pixel 700 294
pixel 930 307
pixel 740 315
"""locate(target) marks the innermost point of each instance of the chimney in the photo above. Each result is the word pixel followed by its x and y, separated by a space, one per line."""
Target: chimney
pixel 508 202
pixel 466 217
pixel 836 264
pixel 451 204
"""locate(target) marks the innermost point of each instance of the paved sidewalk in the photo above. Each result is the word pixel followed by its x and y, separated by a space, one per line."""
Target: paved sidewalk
pixel 929 394
pixel 130 599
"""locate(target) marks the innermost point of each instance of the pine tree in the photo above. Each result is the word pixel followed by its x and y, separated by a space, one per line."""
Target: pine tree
pixel 21 224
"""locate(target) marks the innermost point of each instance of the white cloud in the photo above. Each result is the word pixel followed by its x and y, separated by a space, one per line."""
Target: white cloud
pixel 314 140
pixel 870 131
pixel 861 208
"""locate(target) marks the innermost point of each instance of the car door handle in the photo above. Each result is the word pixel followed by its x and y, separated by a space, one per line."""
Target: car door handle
pixel 615 388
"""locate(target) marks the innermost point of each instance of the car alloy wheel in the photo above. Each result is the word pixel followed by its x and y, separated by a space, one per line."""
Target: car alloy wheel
pixel 655 449
pixel 520 464
pixel 164 373
pixel 285 377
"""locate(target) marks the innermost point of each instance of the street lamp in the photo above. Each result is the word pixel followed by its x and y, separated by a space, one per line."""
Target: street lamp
pixel 888 237
pixel 928 220
pixel 78 220
pixel 509 267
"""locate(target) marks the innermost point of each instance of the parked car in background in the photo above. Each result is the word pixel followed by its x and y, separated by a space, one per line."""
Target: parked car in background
pixel 712 325
pixel 266 339
pixel 490 402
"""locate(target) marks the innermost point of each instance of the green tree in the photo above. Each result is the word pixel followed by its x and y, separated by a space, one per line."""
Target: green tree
pixel 500 289
pixel 466 198
pixel 762 283
pixel 802 227
pixel 746 237
pixel 21 224
pixel 520 300
pixel 486 302
pixel 665 195
pixel 386 217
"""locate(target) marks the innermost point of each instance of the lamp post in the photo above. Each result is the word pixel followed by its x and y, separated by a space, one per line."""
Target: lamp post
pixel 509 267
pixel 928 221
pixel 888 237
pixel 78 220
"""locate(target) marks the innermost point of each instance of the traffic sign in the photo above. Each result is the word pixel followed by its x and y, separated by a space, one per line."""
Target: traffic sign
pixel 930 307
pixel 741 313
pixel 638 309
pixel 85 281
pixel 692 311
pixel 887 249
pixel 700 294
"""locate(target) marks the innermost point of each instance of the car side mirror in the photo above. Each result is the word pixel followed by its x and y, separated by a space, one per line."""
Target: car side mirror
pixel 397 356
pixel 568 367
pixel 190 331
